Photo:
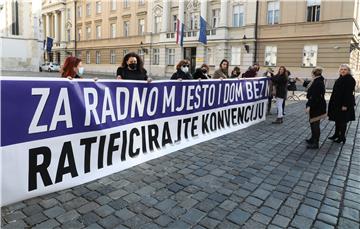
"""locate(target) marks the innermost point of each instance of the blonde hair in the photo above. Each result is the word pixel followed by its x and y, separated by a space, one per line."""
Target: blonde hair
pixel 346 66
pixel 317 71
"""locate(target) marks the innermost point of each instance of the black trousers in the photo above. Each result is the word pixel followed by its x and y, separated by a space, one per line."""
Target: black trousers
pixel 269 103
pixel 315 131
pixel 283 105
pixel 340 129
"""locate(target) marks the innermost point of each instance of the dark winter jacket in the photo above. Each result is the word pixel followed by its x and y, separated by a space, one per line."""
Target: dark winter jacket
pixel 127 74
pixel 316 98
pixel 280 83
pixel 198 74
pixel 181 75
pixel 342 96
pixel 250 73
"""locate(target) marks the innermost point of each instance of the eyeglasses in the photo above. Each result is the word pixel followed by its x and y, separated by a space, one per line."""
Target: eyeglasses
pixel 184 66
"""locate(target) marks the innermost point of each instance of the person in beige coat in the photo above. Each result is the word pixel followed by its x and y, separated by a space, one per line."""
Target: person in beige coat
pixel 223 71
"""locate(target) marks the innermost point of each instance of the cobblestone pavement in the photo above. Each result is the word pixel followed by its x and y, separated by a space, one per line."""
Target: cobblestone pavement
pixel 259 177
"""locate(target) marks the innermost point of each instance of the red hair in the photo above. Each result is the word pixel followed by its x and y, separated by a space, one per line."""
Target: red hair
pixel 70 63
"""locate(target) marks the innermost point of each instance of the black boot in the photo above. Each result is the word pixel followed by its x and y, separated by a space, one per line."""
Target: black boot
pixel 342 131
pixel 315 133
pixel 336 134
pixel 314 145
pixel 278 121
pixel 309 141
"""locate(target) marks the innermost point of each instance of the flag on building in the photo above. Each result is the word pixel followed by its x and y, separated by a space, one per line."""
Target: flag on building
pixel 49 44
pixel 182 35
pixel 202 34
pixel 179 33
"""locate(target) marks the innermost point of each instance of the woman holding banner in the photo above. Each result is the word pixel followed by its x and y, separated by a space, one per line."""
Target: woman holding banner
pixel 132 68
pixel 223 71
pixel 182 71
pixel 280 82
pixel 72 68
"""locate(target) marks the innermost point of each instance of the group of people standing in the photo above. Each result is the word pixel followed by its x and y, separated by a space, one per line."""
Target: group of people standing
pixel 340 109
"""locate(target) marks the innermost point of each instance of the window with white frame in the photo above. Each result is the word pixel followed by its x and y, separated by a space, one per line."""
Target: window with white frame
pixel 170 53
pixel 156 56
pixel 112 57
pixel 174 23
pixel 125 51
pixel 98 32
pixel 313 10
pixel 113 30
pixel 238 15
pixel 215 17
pixel 126 28
pixel 270 56
pixel 157 28
pixel 126 3
pixel 79 11
pixel 98 7
pixel 192 25
pixel 97 55
pixel 210 56
pixel 88 57
pixel 88 33
pixel 273 12
pixel 235 55
pixel 88 9
pixel 79 34
pixel 310 55
pixel 141 54
pixel 113 4
pixel 141 27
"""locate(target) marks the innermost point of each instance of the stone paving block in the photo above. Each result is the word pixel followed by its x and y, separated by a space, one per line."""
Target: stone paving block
pixel 15 225
pixel 250 224
pixel 17 215
pixel 51 223
pixel 163 220
pixel 109 222
pixel 348 224
pixel 74 203
pixel 281 221
pixel 322 225
pixel 327 218
pixel 179 224
pixel 65 197
pixel 72 224
pixel 152 213
pixel 267 211
pixel 88 207
pixel 228 205
pixel 35 219
pixel 351 214
pixel 209 222
pixel 329 210
pixel 89 218
pixel 125 214
pixel 238 216
pixel 54 212
pixel 48 203
pixel 165 205
pixel 188 203
pixel 308 211
pixel 118 204
pixel 193 216
pixel 94 226
pixel 137 221
pixel 68 216
pixel 254 201
pixel 261 218
pixel 218 214
pixel 261 194
pixel 301 222
pixel 103 200
pixel 273 203
pixel 117 194
pixel 104 211
pixel 32 209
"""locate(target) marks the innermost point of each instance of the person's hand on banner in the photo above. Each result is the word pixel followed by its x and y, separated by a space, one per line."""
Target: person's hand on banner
pixel 96 79
pixel 149 80
pixel 119 77
pixel 69 78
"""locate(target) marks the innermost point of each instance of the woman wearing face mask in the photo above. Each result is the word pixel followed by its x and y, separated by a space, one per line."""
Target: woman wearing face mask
pixel 72 68
pixel 132 68
pixel 223 71
pixel 202 72
pixel 342 101
pixel 182 71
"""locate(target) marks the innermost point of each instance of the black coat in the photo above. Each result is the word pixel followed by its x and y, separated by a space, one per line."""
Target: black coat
pixel 199 75
pixel 280 83
pixel 342 95
pixel 181 75
pixel 316 98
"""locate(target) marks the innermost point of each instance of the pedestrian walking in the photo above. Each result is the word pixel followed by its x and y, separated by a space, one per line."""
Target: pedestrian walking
pixel 72 68
pixel 269 74
pixel 132 68
pixel 182 71
pixel 342 101
pixel 202 72
pixel 280 82
pixel 223 71
pixel 315 105
pixel 235 73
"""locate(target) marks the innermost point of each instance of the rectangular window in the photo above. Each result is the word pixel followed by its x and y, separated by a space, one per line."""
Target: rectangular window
pixel 238 15
pixel 98 7
pixel 126 3
pixel 112 57
pixel 174 21
pixel 98 32
pixel 97 55
pixel 235 55
pixel 270 56
pixel 273 12
pixel 310 55
pixel 156 57
pixel 141 54
pixel 170 56
pixel 126 28
pixel 192 21
pixel 88 9
pixel 210 56
pixel 87 57
pixel 113 30
pixel 15 18
pixel 215 18
pixel 79 34
pixel 113 5
pixel 141 27
pixel 313 10
pixel 88 33
pixel 157 24
pixel 79 11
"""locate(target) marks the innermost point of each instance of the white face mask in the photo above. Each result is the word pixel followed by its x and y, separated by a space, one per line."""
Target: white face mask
pixel 81 71
pixel 185 69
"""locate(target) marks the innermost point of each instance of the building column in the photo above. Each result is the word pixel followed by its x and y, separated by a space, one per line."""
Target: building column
pixel 63 37
pixel 56 27
pixel 203 9
pixel 165 16
pixel 47 32
pixel 223 13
